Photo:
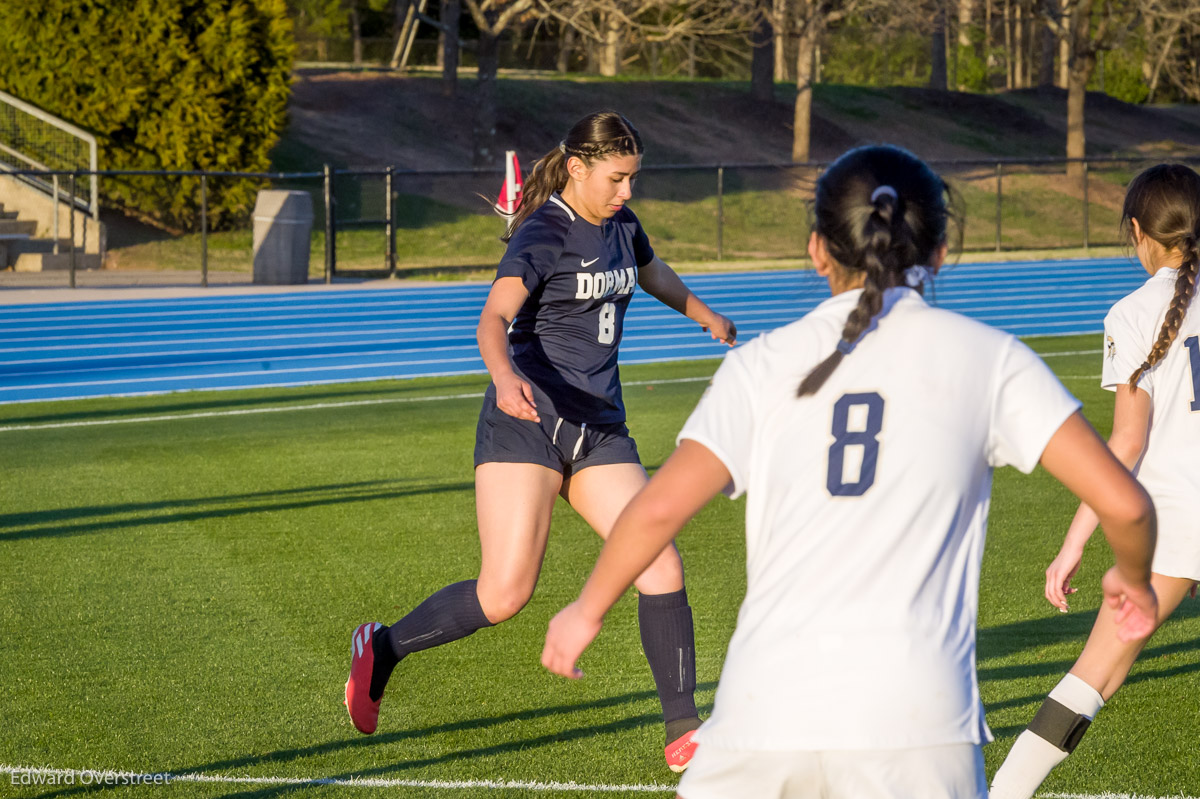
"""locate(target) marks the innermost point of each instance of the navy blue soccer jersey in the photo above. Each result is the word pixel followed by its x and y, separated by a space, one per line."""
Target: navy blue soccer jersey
pixel 580 278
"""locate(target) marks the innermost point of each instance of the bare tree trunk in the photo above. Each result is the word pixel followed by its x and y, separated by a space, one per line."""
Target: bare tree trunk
pixel 451 11
pixel 937 51
pixel 966 16
pixel 1083 62
pixel 802 117
pixel 1064 46
pixel 356 34
pixel 484 127
pixel 987 31
pixel 783 24
pixel 566 47
pixel 1153 73
pixel 962 38
pixel 1030 40
pixel 1049 42
pixel 1009 75
pixel 762 59
pixel 322 48
pixel 610 50
pixel 1018 45
pixel 987 41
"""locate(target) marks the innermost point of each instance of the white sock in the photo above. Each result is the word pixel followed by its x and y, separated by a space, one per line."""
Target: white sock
pixel 1032 756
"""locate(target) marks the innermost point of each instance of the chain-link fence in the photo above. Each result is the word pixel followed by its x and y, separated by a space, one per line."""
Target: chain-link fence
pixel 443 221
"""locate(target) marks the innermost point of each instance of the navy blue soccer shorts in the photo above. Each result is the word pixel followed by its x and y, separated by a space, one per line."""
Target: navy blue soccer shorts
pixel 555 443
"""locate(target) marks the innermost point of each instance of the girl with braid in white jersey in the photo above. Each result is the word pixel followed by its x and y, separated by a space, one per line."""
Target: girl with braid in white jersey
pixel 1152 363
pixel 553 420
pixel 864 436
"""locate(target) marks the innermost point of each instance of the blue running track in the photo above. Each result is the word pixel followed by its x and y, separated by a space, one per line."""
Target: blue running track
pixel 91 349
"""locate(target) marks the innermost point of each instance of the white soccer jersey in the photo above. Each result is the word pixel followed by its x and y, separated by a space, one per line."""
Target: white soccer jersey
pixel 1170 466
pixel 865 518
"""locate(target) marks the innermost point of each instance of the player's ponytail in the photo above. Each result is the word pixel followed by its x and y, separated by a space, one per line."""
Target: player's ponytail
pixel 591 139
pixel 1165 201
pixel 882 212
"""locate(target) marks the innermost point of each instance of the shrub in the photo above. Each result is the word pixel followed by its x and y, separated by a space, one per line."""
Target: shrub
pixel 163 84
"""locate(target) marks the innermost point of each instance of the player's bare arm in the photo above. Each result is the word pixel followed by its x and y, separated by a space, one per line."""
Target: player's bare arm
pixel 1081 461
pixel 1131 426
pixel 661 282
pixel 513 395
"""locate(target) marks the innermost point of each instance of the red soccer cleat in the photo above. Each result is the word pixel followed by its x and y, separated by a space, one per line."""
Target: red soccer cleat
pixel 680 751
pixel 364 711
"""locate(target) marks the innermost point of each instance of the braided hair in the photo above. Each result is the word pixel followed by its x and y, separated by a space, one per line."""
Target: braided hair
pixel 1165 201
pixel 593 138
pixel 880 210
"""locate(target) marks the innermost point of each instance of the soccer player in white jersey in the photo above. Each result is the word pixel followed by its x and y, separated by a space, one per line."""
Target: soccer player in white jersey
pixel 1152 363
pixel 864 436
pixel 553 419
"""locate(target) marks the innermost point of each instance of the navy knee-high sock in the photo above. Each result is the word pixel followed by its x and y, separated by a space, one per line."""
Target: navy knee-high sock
pixel 447 615
pixel 669 643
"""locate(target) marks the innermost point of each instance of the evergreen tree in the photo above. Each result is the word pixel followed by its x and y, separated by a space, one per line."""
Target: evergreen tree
pixel 163 84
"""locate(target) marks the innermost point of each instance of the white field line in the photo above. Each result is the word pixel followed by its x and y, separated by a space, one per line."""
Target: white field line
pixel 284 408
pixel 107 777
pixel 389 401
pixel 21 775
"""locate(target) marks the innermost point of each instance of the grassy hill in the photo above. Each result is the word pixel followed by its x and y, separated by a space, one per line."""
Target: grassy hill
pixel 368 120
pixel 358 119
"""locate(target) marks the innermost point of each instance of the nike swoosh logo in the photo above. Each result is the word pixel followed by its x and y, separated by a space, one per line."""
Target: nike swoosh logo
pixel 586 264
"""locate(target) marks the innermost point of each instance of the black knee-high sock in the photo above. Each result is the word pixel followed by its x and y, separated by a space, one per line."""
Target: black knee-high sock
pixel 669 642
pixel 447 615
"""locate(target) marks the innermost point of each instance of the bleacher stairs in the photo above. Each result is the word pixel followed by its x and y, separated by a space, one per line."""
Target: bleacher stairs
pixel 23 251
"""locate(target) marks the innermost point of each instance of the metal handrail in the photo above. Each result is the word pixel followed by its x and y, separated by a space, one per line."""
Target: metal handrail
pixel 93 158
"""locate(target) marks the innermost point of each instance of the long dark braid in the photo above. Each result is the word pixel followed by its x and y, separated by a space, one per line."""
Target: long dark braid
pixel 880 210
pixel 1165 201
pixel 591 139
pixel 1185 289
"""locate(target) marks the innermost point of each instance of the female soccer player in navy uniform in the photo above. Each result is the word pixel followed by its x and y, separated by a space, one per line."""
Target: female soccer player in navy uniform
pixel 1152 363
pixel 553 420
pixel 864 436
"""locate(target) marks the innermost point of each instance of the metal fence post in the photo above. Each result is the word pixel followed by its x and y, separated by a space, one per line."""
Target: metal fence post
pixel 330 228
pixel 204 230
pixel 390 220
pixel 999 201
pixel 56 210
pixel 720 211
pixel 73 174
pixel 1085 205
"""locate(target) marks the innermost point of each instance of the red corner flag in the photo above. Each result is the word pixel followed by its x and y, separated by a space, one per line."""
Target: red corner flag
pixel 510 192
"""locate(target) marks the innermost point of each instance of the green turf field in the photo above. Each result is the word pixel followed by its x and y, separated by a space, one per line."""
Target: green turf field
pixel 180 584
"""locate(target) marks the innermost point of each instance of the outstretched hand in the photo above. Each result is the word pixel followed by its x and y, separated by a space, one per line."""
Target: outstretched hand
pixel 721 328
pixel 1136 606
pixel 1059 574
pixel 569 633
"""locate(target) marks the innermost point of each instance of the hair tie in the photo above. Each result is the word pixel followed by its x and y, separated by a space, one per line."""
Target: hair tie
pixel 845 347
pixel 884 191
pixel 916 275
